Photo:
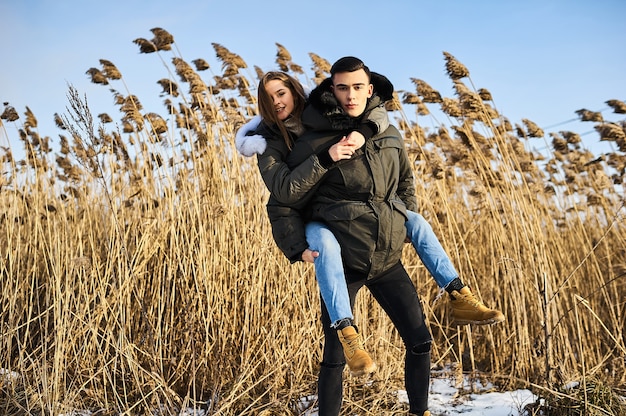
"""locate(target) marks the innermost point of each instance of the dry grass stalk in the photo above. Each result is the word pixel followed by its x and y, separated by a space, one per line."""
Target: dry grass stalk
pixel 410 98
pixel 485 95
pixel 169 87
pixel 395 105
pixel 470 102
pixel 571 137
pixel 611 132
pixel 283 57
pixel 31 120
pixel 105 118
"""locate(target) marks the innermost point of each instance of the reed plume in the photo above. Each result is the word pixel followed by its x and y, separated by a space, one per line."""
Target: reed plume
pixel 9 113
pixel 587 115
pixel 110 70
pixel 619 107
pixel 533 129
pixel 97 76
pixel 321 67
pixel 428 94
pixel 201 64
pixel 169 87
pixel 283 57
pixel 162 39
pixel 231 62
pixel 145 46
pixel 454 68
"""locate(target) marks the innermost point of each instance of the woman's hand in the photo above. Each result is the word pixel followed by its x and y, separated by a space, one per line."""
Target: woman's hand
pixel 309 255
pixel 345 148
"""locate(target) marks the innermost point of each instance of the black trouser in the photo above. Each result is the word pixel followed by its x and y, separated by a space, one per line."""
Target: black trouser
pixel 395 293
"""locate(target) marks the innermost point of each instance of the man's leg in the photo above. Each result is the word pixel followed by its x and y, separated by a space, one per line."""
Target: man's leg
pixel 330 379
pixel 466 308
pixel 396 294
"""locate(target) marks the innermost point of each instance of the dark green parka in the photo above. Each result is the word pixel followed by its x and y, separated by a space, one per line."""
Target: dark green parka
pixel 363 200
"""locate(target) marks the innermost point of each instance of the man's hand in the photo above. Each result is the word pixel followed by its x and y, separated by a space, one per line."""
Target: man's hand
pixel 355 139
pixel 345 148
pixel 309 255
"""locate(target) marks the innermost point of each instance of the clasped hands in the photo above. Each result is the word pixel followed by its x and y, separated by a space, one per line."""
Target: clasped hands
pixel 345 148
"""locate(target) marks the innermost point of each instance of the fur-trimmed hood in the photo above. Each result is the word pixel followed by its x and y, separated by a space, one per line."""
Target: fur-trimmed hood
pixel 249 143
pixel 323 99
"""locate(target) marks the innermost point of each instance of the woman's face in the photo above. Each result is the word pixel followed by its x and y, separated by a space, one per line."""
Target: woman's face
pixel 282 98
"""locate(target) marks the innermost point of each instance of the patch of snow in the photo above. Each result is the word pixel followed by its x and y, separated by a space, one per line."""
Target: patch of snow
pixel 445 399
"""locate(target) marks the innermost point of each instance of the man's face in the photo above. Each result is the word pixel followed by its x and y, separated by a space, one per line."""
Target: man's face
pixel 352 89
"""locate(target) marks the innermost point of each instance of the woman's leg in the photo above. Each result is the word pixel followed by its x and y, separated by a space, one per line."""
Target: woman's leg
pixel 397 295
pixel 430 250
pixel 329 271
pixel 332 283
pixel 330 380
pixel 466 308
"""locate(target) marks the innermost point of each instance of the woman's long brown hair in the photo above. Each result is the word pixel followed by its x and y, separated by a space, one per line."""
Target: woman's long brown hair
pixel 266 105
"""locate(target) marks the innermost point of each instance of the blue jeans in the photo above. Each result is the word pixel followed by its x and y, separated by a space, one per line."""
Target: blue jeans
pixel 329 269
pixel 429 249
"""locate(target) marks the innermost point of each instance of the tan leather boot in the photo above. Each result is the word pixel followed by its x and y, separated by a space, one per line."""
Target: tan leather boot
pixel 467 309
pixel 357 358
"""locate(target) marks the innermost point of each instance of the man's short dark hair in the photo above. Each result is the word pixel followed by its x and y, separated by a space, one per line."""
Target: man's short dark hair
pixel 349 64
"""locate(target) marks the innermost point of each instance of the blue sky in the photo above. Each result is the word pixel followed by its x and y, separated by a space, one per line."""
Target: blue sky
pixel 540 59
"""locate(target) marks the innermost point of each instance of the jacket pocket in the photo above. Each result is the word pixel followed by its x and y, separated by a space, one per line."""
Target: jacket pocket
pixel 399 206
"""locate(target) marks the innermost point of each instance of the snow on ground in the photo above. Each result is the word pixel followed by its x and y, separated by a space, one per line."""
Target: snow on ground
pixel 446 399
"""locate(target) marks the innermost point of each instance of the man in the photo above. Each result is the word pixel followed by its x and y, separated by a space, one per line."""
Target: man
pixel 364 201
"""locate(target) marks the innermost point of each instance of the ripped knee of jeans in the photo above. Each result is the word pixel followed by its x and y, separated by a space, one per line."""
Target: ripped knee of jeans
pixel 420 349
